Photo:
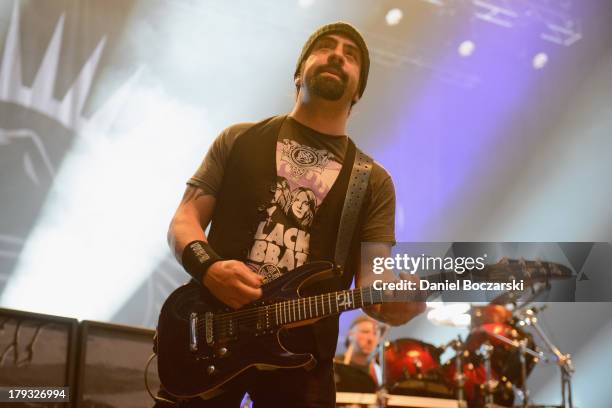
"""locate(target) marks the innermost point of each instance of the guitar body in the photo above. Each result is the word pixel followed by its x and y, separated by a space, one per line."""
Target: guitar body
pixel 233 345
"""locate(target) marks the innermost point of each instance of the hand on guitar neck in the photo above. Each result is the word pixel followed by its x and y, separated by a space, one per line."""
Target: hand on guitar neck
pixel 395 312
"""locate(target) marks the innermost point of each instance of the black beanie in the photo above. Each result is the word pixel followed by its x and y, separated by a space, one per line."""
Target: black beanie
pixel 351 32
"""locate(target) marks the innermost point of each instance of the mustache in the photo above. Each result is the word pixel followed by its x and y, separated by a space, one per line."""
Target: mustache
pixel 334 69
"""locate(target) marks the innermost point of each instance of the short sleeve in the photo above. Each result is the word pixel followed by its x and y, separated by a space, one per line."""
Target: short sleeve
pixel 209 176
pixel 379 225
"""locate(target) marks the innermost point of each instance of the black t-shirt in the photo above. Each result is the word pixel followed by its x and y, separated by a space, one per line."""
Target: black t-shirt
pixel 307 165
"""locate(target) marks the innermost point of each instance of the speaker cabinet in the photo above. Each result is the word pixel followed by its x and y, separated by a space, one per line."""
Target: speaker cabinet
pixel 37 350
pixel 112 360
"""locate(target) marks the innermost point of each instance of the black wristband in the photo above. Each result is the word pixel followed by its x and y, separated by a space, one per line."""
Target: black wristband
pixel 197 258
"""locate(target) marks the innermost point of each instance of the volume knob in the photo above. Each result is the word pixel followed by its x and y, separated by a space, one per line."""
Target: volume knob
pixel 210 370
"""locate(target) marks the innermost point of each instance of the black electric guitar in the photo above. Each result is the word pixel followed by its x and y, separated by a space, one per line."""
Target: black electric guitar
pixel 202 344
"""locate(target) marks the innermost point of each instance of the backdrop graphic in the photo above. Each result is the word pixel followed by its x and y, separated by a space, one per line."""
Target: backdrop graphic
pixel 493 118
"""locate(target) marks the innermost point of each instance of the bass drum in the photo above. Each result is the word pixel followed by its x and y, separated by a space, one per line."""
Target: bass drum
pixel 413 367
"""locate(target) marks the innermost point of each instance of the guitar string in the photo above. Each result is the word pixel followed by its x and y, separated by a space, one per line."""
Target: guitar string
pixel 255 309
pixel 224 326
pixel 225 320
pixel 222 323
pixel 300 304
pixel 283 307
pixel 355 290
pixel 291 307
pixel 238 312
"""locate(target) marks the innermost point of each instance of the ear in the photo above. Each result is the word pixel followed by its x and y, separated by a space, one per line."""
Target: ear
pixel 297 81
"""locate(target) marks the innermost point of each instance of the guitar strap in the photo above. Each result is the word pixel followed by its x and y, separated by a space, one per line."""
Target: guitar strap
pixel 355 194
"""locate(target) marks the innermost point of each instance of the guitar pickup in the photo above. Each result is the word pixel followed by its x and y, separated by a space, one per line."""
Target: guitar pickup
pixel 208 322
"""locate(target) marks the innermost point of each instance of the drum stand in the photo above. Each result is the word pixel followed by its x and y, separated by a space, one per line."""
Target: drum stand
pixel 457 345
pixel 490 383
pixel 382 392
pixel 563 360
pixel 523 350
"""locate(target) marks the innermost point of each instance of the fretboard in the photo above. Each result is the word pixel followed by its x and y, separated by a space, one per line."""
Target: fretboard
pixel 327 304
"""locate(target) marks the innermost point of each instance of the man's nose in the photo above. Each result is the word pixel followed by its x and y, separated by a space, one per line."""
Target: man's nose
pixel 336 56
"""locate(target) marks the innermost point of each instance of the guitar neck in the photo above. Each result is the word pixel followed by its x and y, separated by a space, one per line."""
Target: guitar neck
pixel 332 303
pixel 323 305
pixel 276 315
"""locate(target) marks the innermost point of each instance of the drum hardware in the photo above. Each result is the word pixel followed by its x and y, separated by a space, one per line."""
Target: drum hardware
pixel 458 345
pixel 491 366
pixel 521 345
pixel 490 384
pixel 523 361
pixel 382 392
pixel 564 361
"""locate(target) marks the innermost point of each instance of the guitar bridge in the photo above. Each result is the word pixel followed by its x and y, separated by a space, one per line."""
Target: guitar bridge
pixel 193 330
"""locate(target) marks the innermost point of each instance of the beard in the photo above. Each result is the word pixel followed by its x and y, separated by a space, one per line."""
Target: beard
pixel 326 87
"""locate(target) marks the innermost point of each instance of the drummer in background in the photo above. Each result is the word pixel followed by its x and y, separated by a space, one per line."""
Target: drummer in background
pixel 361 347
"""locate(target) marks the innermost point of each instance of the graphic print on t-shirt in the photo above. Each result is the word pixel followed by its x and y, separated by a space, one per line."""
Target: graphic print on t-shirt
pixel 304 177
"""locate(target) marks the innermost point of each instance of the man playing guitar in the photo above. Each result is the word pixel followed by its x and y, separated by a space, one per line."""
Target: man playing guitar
pixel 272 193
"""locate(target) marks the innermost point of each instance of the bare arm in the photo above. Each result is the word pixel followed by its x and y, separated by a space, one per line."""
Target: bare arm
pixel 190 219
pixel 394 313
pixel 231 281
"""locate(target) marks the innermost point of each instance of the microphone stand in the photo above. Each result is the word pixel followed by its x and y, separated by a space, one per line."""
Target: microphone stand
pixel 457 345
pixel 382 393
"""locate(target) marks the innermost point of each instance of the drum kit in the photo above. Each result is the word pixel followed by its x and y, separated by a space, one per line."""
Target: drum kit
pixel 489 368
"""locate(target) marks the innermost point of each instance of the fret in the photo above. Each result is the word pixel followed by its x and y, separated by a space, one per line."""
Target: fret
pixel 310 306
pixel 317 306
pixel 361 296
pixel 299 310
pixel 322 305
pixel 303 309
pixel 287 314
pixel 276 312
pixel 293 310
pixel 286 311
pixel 329 302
